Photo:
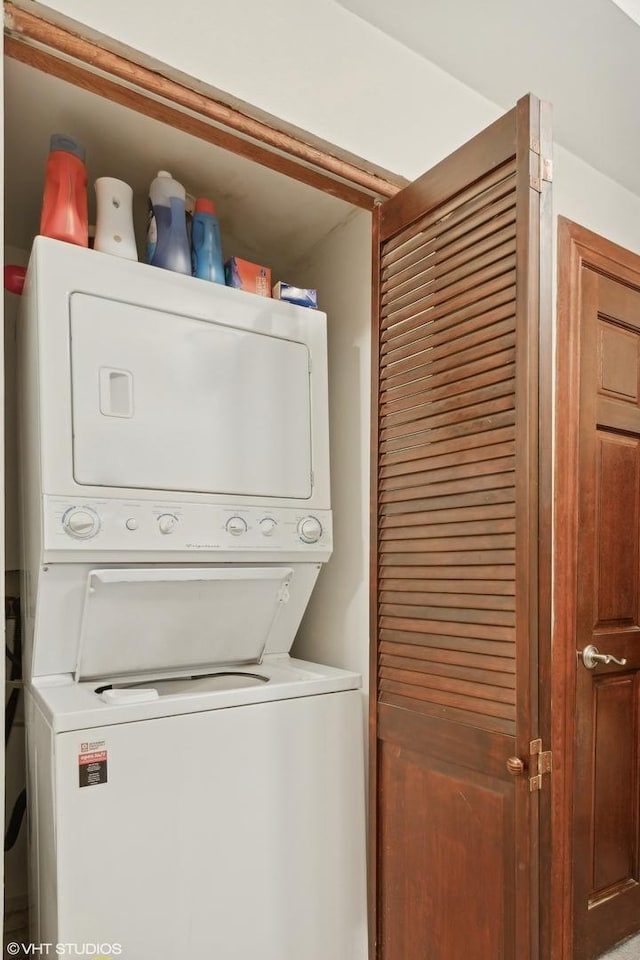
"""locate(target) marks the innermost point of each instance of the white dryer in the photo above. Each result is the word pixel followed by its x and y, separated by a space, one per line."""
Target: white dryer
pixel 193 791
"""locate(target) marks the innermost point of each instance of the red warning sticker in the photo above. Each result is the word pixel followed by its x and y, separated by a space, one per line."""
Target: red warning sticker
pixel 92 768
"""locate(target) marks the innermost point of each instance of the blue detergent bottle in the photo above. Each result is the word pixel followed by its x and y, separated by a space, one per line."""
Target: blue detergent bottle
pixel 167 241
pixel 206 248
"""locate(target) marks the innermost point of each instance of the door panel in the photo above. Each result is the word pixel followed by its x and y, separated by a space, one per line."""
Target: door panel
pixel 465 819
pixel 219 409
pixel 616 575
pixel 606 793
pixel 615 800
pixel 456 534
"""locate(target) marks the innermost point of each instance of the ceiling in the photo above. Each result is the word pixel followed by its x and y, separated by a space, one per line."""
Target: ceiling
pixel 264 216
pixel 582 55
pixel 630 7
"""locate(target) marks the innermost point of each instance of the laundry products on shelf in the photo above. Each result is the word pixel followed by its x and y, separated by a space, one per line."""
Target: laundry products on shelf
pixel 183 241
pixel 298 295
pixel 64 205
pixel 114 227
pixel 167 241
pixel 206 246
pixel 248 276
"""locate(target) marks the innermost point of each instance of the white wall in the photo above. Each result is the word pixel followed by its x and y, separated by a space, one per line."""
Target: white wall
pixel 336 626
pixel 593 200
pixel 312 64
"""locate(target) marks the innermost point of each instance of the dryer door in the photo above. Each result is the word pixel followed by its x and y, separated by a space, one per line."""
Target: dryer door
pixel 167 402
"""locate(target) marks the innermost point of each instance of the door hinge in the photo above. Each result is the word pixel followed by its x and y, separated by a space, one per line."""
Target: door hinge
pixel 543 764
pixel 540 170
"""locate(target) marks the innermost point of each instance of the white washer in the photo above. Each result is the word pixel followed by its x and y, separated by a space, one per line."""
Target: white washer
pixel 192 790
pixel 204 823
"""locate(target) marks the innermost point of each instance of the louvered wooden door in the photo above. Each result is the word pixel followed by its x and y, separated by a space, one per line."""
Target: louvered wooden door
pixel 460 551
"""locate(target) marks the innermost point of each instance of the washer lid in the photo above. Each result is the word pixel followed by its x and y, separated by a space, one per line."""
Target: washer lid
pixel 143 620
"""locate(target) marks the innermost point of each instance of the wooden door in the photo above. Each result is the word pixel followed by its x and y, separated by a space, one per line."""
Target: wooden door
pixel 604 804
pixel 460 558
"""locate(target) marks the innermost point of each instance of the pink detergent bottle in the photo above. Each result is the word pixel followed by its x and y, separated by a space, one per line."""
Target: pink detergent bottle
pixel 64 206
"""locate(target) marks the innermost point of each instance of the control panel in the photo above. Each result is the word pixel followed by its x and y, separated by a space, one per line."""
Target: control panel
pixel 90 525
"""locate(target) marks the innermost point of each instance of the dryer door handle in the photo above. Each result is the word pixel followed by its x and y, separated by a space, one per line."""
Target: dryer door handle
pixel 116 392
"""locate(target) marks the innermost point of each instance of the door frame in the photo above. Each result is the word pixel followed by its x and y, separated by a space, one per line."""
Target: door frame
pixel 577 248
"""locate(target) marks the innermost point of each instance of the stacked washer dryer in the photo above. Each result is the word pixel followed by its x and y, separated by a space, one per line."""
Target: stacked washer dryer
pixel 193 790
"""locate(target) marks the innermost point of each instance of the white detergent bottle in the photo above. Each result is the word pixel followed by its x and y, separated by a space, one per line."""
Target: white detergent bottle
pixel 114 226
pixel 167 241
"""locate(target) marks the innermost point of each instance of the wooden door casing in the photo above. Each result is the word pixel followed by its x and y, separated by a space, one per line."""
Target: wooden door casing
pixel 459 532
pixel 596 879
pixel 97 63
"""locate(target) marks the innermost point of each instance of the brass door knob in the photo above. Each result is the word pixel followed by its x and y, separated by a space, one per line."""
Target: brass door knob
pixel 515 766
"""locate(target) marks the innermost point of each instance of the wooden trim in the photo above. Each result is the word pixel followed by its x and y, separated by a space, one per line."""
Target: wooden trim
pixel 566 495
pixel 117 93
pixel 599 253
pixel 373 593
pixel 437 738
pixel 526 595
pixel 491 148
pixel 577 248
pixel 545 514
pixel 527 307
pixel 32 29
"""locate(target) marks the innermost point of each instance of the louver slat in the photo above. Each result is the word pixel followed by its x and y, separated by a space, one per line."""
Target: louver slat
pixel 451 211
pixel 446 479
pixel 472 301
pixel 447 332
pixel 439 272
pixel 486 222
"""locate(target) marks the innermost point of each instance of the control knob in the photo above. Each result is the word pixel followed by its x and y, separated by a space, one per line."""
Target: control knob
pixel 167 522
pixel 236 526
pixel 310 530
pixel 268 526
pixel 81 523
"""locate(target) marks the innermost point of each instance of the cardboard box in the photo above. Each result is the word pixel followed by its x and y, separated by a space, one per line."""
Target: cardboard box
pixel 298 295
pixel 248 276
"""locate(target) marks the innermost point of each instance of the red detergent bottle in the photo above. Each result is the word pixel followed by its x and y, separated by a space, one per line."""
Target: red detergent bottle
pixel 64 206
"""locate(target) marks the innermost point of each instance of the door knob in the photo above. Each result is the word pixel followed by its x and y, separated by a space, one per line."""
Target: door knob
pixel 591 657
